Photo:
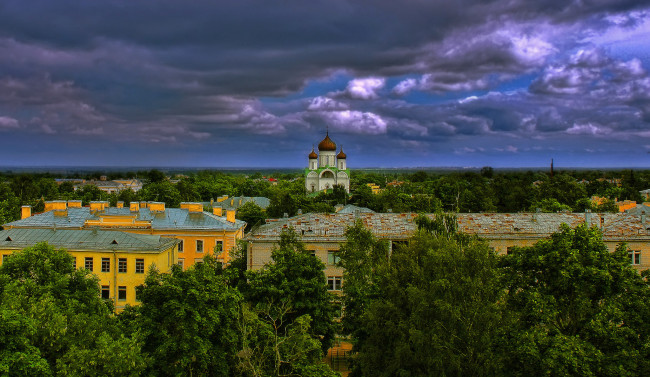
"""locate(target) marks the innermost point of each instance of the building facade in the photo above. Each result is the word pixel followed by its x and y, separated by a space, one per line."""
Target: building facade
pixel 327 168
pixel 200 233
pixel 324 233
pixel 121 260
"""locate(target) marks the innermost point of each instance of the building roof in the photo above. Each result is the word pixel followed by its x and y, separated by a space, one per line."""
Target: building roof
pixel 171 218
pixel 399 226
pixel 351 208
pixel 75 239
pixel 327 144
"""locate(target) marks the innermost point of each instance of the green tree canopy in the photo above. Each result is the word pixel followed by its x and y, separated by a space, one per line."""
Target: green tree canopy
pixel 295 278
pixel 578 309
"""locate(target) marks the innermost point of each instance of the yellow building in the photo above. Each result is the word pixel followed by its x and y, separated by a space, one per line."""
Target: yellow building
pixel 120 260
pixel 201 233
pixel 374 188
pixel 324 233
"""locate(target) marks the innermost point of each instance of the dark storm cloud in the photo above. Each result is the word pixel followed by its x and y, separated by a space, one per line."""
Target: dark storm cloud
pixel 182 72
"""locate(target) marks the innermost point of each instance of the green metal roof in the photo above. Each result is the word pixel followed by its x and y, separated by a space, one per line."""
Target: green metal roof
pixel 100 240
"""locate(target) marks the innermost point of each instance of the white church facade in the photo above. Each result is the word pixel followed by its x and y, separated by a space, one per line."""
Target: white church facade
pixel 327 168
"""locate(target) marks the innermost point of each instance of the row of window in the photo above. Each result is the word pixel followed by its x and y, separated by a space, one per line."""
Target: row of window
pixel 333 256
pixel 121 293
pixel 122 264
pixel 199 246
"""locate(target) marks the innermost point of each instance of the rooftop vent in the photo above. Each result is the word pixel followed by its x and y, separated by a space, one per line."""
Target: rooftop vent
pixel 8 239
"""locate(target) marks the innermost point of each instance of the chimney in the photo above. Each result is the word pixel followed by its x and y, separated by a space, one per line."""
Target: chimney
pixel 120 204
pixel 217 211
pixel 588 217
pixel 74 203
pixel 230 215
pixel 300 211
pixel 56 205
pixel 192 207
pixel 157 206
pixel 643 217
pixel 135 206
pixel 97 206
pixel 25 212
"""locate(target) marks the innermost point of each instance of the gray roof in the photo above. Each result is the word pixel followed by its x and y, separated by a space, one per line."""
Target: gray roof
pixel 351 208
pixel 171 218
pixel 100 240
pixel 331 227
pixel 238 201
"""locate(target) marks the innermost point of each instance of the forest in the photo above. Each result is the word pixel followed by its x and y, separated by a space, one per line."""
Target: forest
pixel 443 304
pixel 484 190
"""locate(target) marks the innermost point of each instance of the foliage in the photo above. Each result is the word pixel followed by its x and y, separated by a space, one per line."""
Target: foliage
pixel 188 320
pixel 295 278
pixel 270 347
pixel 578 309
pixel 433 307
pixel 252 214
pixel 52 314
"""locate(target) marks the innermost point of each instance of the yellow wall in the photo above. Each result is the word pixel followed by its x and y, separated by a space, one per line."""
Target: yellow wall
pixel 114 279
pixel 189 255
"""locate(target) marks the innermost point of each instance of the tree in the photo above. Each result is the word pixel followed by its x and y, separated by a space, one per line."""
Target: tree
pixel 270 347
pixel 434 310
pixel 578 310
pixel 294 278
pixel 163 191
pixel 188 320
pixel 252 214
pixel 52 313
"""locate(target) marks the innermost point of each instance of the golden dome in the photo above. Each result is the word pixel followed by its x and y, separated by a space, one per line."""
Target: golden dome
pixel 341 154
pixel 327 144
pixel 313 154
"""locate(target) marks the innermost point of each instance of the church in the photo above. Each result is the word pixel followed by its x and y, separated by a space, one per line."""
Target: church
pixel 327 168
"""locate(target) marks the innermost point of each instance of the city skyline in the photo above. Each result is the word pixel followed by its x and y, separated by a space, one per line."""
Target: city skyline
pixel 256 84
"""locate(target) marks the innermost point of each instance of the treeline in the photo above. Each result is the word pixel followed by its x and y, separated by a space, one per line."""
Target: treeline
pixel 484 191
pixel 205 321
pixel 444 304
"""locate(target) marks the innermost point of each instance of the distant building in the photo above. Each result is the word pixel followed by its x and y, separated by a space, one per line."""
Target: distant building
pixel 120 259
pixel 327 169
pixel 109 187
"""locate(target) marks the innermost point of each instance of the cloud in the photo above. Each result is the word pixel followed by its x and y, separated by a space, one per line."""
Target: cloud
pixel 588 129
pixel 8 122
pixel 363 88
pixel 321 103
pixel 355 122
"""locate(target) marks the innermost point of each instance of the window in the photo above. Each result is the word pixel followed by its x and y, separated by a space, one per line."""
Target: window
pixel 106 264
pixel 334 283
pixel 121 293
pixel 218 247
pixel 635 256
pixel 139 266
pixel 180 247
pixel 88 263
pixel 121 265
pixel 74 262
pixel 181 262
pixel 106 292
pixel 137 294
pixel 333 257
pixel 199 246
pixel 4 257
pixel 198 260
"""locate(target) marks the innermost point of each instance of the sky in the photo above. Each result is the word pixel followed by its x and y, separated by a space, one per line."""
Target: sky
pixel 257 83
